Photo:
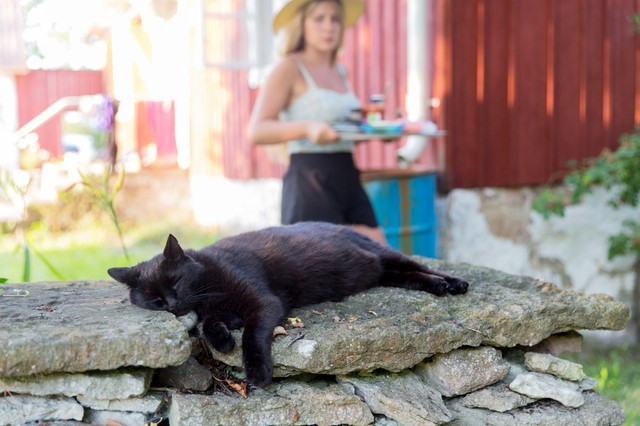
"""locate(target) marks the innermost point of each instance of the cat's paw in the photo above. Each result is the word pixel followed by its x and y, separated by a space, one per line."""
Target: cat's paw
pixel 219 337
pixel 257 365
pixel 437 286
pixel 259 374
pixel 457 286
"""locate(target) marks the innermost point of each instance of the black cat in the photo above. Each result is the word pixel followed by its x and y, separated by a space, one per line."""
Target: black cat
pixel 254 279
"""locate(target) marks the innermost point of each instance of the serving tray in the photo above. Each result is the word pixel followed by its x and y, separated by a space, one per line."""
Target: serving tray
pixel 360 137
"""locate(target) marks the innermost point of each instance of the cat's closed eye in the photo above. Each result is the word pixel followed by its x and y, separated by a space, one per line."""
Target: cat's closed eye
pixel 148 299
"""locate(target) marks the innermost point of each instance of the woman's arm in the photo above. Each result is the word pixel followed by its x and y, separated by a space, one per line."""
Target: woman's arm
pixel 274 96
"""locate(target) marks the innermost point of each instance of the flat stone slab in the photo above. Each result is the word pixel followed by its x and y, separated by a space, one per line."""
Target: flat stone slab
pixel 464 370
pixel 395 329
pixel 542 385
pixel 286 403
pixel 403 397
pixel 545 363
pixel 80 326
pixel 149 403
pixel 118 384
pixel 20 409
pixel 596 411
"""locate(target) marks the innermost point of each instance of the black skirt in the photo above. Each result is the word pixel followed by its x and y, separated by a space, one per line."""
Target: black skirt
pixel 326 188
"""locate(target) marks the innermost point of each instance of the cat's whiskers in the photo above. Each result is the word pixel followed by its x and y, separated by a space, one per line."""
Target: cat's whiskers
pixel 202 296
pixel 204 292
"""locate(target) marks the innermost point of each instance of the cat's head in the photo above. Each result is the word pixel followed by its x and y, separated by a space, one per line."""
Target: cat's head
pixel 168 281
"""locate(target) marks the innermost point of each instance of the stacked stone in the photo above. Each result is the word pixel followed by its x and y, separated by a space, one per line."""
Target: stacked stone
pixel 385 357
pixel 79 352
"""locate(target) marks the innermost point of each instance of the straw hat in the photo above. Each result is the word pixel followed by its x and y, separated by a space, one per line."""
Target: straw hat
pixel 353 9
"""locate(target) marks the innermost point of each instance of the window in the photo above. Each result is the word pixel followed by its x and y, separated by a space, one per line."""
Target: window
pixel 237 33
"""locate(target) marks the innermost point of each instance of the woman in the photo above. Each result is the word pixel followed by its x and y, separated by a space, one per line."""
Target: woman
pixel 304 94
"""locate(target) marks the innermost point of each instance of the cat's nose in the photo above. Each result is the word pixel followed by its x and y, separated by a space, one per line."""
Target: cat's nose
pixel 171 302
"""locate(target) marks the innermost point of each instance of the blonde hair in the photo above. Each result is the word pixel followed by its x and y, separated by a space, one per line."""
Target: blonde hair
pixel 293 33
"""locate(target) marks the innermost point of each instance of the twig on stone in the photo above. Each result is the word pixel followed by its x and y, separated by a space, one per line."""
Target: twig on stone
pixel 467 328
pixel 298 336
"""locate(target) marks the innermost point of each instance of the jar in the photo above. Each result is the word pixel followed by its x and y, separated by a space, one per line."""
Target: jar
pixel 355 116
pixel 375 108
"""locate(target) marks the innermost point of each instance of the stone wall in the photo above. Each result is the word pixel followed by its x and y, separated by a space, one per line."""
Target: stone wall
pixel 79 353
pixel 497 228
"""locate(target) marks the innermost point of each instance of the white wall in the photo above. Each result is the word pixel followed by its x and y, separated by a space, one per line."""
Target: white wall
pixel 235 205
pixel 496 228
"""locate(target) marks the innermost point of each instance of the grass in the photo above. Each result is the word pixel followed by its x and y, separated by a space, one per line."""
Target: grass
pixel 617 370
pixel 87 253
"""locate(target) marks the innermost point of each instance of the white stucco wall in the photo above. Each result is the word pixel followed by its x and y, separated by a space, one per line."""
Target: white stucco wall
pixel 235 205
pixel 496 228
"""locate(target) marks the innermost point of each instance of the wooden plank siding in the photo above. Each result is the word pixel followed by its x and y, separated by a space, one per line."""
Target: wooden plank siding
pixel 221 103
pixel 528 86
pixel 153 123
pixel 375 52
pixel 375 55
pixel 38 89
pixel 525 86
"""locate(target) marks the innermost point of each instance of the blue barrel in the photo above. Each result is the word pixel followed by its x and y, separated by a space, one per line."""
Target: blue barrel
pixel 404 203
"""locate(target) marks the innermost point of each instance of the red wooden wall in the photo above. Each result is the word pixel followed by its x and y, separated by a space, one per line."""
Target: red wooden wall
pixel 220 106
pixel 374 53
pixel 525 86
pixel 38 89
pixel 529 85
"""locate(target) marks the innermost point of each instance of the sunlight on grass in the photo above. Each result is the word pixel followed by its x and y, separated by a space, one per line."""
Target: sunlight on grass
pixel 87 254
pixel 617 370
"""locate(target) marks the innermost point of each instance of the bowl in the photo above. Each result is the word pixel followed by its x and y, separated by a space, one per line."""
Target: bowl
pixel 383 126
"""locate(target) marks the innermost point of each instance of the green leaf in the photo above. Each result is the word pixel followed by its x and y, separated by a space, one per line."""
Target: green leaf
pixel 49 265
pixel 626 242
pixel 26 271
pixel 619 172
pixel 549 203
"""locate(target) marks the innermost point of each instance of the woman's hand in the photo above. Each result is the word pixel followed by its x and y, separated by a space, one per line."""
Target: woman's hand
pixel 321 133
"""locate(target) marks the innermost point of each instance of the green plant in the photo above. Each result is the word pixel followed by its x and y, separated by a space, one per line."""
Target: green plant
pixel 86 251
pixel 106 196
pixel 71 210
pixel 609 376
pixel 619 173
pixel 617 370
pixel 15 192
pixel 99 189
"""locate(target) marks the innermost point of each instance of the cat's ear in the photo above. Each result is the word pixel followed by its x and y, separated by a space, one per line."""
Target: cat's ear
pixel 172 250
pixel 124 275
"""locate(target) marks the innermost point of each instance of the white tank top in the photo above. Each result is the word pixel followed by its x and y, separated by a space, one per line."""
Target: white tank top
pixel 320 104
